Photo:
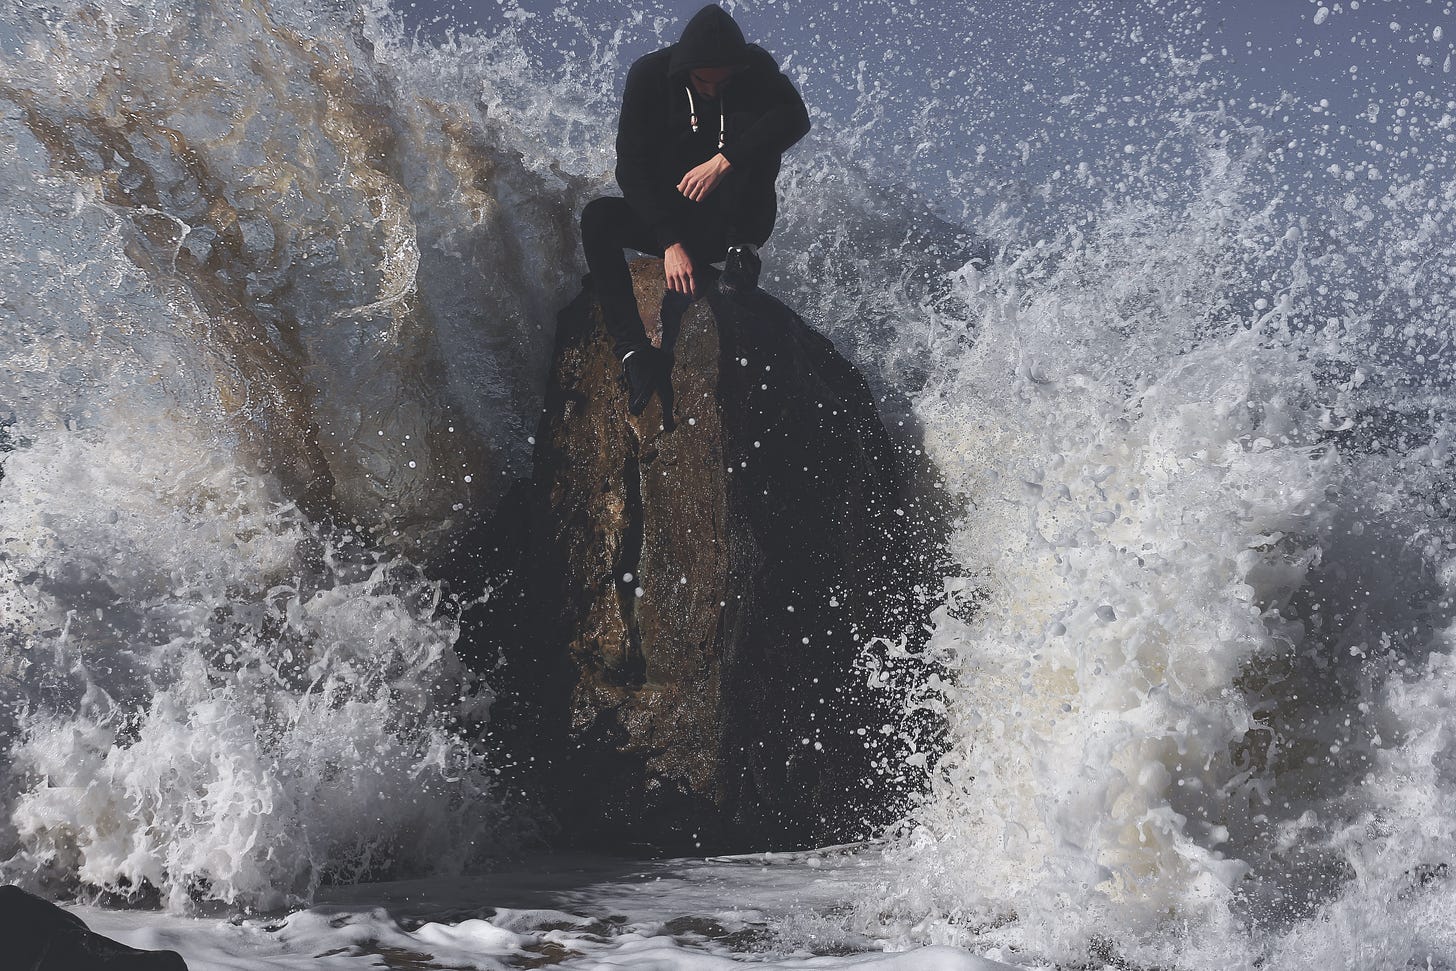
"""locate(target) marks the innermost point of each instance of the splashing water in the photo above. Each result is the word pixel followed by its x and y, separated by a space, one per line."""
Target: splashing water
pixel 221 342
pixel 197 710
pixel 278 291
pixel 1205 438
pixel 1197 608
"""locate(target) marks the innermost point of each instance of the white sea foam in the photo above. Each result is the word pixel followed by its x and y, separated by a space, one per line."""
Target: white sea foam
pixel 206 693
pixel 578 913
pixel 202 711
pixel 1208 572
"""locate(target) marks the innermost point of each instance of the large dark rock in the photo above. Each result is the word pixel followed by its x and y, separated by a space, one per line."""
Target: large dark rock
pixel 692 588
pixel 36 935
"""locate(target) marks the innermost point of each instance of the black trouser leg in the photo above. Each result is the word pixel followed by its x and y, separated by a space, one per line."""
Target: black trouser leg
pixel 749 204
pixel 609 226
pixel 741 209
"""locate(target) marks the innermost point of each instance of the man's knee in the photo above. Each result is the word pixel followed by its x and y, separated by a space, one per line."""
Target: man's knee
pixel 750 203
pixel 752 218
pixel 606 220
pixel 596 217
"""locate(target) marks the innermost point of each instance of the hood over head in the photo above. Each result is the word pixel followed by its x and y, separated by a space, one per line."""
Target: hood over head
pixel 711 39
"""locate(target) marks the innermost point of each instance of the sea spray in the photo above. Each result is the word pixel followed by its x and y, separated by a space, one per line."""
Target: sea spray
pixel 220 702
pixel 1208 568
pixel 226 403
pixel 363 270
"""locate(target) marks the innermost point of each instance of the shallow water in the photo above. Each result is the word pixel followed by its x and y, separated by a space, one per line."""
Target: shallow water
pixel 773 910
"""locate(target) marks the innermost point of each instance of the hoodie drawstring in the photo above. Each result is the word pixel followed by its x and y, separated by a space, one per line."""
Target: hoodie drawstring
pixel 693 115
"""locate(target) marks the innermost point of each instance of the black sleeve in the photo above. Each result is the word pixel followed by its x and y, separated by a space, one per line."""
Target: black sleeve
pixel 642 185
pixel 777 129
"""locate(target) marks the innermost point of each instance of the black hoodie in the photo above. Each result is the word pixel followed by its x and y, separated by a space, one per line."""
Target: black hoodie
pixel 759 109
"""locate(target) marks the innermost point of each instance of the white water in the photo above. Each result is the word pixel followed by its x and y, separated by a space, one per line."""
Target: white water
pixel 571 912
pixel 1199 412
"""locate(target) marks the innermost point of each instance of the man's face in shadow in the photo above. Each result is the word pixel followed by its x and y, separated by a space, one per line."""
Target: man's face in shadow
pixel 710 81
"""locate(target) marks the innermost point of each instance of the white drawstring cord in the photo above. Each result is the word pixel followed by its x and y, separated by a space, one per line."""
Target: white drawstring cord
pixel 693 116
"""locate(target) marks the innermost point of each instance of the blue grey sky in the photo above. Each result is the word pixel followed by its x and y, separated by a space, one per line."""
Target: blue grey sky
pixel 1273 45
pixel 1014 88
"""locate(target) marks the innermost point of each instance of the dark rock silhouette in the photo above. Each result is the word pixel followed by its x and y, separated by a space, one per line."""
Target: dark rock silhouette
pixel 39 936
pixel 687 592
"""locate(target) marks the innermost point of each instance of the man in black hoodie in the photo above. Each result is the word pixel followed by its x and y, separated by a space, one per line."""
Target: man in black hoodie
pixel 704 124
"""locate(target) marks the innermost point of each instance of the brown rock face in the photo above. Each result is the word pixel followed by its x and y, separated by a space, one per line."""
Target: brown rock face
pixel 698 585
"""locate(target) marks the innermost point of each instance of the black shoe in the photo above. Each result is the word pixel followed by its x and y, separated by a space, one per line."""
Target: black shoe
pixel 647 371
pixel 740 270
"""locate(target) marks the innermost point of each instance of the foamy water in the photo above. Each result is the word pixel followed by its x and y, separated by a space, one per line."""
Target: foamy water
pixel 783 910
pixel 276 302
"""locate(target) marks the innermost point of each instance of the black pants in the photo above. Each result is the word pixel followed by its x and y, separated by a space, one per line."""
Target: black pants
pixel 740 210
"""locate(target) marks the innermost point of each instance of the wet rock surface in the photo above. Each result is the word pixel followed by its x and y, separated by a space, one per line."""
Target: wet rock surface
pixel 686 594
pixel 39 936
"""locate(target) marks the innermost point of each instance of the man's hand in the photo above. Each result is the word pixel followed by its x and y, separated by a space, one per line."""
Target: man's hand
pixel 679 267
pixel 704 178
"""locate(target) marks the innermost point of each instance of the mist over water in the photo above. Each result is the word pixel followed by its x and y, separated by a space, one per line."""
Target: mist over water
pixel 276 304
